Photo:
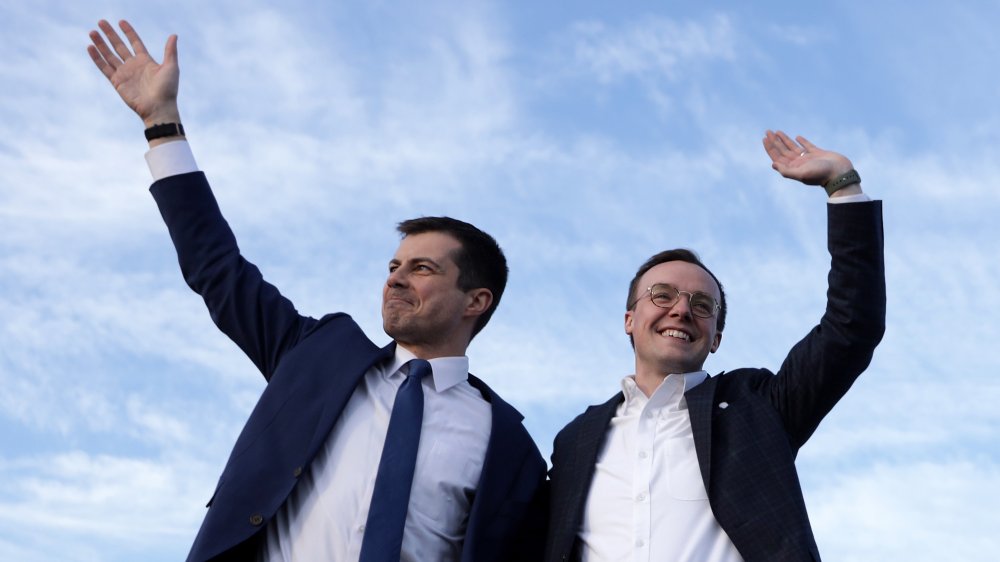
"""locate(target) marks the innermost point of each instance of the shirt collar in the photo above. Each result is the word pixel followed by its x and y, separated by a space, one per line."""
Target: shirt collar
pixel 446 371
pixel 669 394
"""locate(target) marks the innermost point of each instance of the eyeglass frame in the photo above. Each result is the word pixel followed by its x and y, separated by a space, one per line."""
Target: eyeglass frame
pixel 690 295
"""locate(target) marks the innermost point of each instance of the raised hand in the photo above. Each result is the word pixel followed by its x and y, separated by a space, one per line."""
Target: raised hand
pixel 150 89
pixel 802 160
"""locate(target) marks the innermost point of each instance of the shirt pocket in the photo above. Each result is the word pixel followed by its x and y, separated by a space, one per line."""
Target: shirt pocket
pixel 683 473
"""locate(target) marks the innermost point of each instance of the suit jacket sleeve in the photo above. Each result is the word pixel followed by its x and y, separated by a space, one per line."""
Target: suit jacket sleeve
pixel 252 312
pixel 821 367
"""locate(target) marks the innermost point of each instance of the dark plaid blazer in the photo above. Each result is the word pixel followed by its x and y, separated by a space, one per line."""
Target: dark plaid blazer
pixel 312 367
pixel 746 449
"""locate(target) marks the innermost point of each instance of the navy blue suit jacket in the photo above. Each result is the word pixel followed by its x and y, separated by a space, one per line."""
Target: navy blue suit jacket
pixel 312 367
pixel 749 424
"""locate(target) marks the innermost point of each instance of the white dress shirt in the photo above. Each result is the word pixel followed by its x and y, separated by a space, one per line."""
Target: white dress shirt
pixel 647 501
pixel 324 517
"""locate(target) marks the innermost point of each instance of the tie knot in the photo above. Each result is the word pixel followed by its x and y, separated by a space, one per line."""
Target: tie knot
pixel 419 368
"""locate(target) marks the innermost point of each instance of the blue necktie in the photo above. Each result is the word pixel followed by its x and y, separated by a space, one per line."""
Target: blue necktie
pixel 387 514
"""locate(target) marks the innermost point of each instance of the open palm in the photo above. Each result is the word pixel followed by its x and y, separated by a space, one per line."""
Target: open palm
pixel 802 160
pixel 150 89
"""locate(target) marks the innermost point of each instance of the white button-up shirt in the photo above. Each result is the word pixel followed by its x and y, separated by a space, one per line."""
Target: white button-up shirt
pixel 324 518
pixel 647 501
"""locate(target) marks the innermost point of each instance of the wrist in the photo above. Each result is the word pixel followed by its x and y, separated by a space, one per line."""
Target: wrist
pixel 164 132
pixel 847 183
pixel 163 125
pixel 841 165
pixel 166 114
pixel 853 189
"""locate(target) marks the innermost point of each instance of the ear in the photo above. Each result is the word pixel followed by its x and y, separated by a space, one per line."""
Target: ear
pixel 628 322
pixel 478 301
pixel 717 341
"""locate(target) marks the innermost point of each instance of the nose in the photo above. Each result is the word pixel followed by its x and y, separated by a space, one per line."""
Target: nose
pixel 396 278
pixel 682 307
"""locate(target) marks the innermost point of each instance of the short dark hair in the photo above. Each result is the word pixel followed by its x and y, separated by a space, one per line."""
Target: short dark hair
pixel 480 260
pixel 678 254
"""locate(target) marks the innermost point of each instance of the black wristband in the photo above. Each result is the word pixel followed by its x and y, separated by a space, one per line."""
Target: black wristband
pixel 164 130
pixel 845 179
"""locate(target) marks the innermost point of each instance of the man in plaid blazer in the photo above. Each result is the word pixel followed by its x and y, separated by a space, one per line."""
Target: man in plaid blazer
pixel 684 466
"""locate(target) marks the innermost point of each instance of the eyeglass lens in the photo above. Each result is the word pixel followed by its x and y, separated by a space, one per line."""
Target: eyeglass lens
pixel 665 296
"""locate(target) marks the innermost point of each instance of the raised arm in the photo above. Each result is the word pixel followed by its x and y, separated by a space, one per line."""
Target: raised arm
pixel 148 88
pixel 252 312
pixel 821 367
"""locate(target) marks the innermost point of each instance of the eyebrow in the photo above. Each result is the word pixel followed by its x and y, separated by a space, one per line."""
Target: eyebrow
pixel 419 260
pixel 696 292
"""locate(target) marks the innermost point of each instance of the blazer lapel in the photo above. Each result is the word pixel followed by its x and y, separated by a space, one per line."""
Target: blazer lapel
pixel 582 461
pixel 505 452
pixel 699 402
pixel 350 367
pixel 502 451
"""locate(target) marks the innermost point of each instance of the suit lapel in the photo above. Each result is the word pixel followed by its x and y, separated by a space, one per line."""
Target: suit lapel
pixel 582 461
pixel 502 450
pixel 699 402
pixel 504 453
pixel 350 367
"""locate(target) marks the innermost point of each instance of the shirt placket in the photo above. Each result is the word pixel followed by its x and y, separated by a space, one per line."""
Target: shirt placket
pixel 641 512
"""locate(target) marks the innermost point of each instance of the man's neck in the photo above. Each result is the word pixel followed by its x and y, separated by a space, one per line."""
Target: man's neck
pixel 432 352
pixel 648 380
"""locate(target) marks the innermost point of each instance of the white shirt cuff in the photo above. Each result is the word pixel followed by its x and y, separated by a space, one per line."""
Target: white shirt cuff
pixel 856 198
pixel 171 159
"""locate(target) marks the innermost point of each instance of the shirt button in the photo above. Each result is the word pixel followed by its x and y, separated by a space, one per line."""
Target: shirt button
pixel 641 497
pixel 361 528
pixel 640 543
pixel 642 454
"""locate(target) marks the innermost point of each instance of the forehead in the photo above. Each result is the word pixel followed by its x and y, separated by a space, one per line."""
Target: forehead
pixel 681 274
pixel 437 246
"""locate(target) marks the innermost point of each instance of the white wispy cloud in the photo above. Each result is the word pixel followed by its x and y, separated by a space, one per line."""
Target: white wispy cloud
pixel 657 46
pixel 871 513
pixel 138 505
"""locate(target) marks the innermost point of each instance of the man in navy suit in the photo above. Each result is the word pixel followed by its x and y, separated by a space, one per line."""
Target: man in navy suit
pixel 683 466
pixel 300 480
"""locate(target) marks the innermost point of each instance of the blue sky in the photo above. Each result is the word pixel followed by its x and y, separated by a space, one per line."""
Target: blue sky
pixel 585 136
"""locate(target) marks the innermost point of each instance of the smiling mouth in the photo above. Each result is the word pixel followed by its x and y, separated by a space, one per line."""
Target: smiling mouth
pixel 676 334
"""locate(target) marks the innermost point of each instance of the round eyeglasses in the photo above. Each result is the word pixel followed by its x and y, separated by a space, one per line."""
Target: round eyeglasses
pixel 664 295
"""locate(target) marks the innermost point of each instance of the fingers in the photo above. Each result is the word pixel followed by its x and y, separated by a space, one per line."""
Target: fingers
pixel 133 38
pixel 806 144
pixel 770 146
pixel 105 68
pixel 103 56
pixel 788 147
pixel 117 44
pixel 119 52
pixel 780 147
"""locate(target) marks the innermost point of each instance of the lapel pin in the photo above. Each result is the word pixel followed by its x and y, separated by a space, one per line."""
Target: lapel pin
pixel 723 405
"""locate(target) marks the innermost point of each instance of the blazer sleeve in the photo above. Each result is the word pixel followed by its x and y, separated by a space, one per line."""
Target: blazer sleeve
pixel 252 312
pixel 821 367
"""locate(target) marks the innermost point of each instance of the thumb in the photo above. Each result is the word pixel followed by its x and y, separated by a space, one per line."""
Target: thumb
pixel 170 51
